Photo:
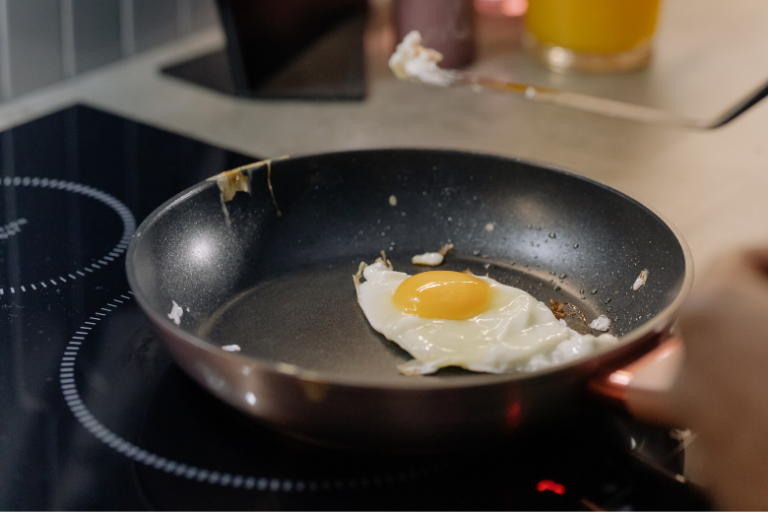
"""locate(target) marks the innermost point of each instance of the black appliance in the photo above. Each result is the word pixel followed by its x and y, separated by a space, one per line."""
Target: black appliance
pixel 285 49
pixel 94 414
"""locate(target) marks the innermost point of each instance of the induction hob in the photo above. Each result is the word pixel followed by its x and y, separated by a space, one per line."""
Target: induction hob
pixel 94 415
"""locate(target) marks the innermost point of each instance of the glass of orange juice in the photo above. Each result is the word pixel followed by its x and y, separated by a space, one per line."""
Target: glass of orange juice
pixel 591 35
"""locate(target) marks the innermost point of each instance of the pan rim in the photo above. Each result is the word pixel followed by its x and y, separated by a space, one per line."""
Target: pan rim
pixel 598 359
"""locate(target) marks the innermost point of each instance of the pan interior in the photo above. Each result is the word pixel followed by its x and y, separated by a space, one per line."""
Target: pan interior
pixel 315 308
pixel 281 286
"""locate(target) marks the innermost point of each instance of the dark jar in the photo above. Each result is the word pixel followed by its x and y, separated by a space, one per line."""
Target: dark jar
pixel 447 26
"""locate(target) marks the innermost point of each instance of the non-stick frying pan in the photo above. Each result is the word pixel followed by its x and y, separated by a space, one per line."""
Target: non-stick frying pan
pixel 280 287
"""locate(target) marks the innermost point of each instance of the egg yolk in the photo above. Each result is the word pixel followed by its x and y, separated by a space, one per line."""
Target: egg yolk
pixel 443 294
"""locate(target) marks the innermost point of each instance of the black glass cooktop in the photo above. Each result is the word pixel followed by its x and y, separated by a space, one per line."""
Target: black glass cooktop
pixel 94 415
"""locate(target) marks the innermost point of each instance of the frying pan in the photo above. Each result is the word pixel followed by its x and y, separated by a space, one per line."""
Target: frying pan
pixel 274 276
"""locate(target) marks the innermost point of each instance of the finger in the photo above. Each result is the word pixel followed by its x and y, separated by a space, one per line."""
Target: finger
pixel 652 377
pixel 654 407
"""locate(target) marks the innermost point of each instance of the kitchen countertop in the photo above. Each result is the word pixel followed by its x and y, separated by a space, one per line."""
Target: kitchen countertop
pixel 708 184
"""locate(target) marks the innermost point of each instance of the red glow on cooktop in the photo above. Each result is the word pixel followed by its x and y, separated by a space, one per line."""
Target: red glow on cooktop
pixel 549 485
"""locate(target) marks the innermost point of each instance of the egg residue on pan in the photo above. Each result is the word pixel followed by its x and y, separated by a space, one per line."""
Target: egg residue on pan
pixel 446 318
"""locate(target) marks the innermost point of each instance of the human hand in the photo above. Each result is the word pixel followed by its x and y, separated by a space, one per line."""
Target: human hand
pixel 721 391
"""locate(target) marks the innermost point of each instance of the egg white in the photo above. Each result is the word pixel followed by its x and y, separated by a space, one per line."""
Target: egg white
pixel 516 331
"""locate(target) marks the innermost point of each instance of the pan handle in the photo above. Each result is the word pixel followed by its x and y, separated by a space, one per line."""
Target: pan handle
pixel 639 385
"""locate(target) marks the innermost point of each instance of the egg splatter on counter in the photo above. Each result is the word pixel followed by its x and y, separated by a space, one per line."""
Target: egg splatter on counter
pixel 446 318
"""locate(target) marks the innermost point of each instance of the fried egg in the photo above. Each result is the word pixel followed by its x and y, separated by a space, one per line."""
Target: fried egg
pixel 445 318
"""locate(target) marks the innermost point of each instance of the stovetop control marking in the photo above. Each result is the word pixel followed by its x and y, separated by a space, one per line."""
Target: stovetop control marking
pixel 12 228
pixel 129 222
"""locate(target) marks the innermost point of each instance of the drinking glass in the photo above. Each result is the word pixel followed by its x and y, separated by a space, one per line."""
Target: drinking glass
pixel 591 35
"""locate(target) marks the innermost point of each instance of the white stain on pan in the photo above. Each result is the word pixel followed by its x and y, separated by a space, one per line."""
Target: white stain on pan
pixel 13 228
pixel 176 313
pixel 79 409
pixel 432 259
pixel 601 323
pixel 641 279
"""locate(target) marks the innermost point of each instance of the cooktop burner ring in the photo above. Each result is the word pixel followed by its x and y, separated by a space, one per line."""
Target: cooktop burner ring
pixel 81 412
pixel 14 227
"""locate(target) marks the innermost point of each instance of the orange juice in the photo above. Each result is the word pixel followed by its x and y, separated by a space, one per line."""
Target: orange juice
pixel 593 26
